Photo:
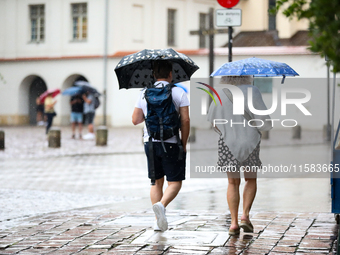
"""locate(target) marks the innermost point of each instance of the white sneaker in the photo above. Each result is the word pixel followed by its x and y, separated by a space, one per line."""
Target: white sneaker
pixel 155 227
pixel 159 211
pixel 89 136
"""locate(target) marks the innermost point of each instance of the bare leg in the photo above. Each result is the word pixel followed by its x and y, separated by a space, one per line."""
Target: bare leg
pixel 80 126
pixel 39 116
pixel 90 126
pixel 156 191
pixel 73 128
pixel 171 192
pixel 249 193
pixel 233 198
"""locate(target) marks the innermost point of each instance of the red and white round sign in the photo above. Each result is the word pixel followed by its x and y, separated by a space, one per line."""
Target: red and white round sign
pixel 228 3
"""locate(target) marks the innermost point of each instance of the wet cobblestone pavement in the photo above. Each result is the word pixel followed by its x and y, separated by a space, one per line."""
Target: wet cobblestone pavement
pixel 85 199
pixel 101 231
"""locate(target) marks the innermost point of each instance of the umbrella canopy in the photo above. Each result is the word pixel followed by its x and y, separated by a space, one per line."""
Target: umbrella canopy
pixel 255 66
pixel 72 91
pixel 135 70
pixel 86 87
pixel 54 93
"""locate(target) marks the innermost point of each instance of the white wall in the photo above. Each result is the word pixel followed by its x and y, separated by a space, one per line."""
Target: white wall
pixel 123 23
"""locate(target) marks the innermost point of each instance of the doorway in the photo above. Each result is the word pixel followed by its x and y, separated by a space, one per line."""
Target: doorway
pixel 37 87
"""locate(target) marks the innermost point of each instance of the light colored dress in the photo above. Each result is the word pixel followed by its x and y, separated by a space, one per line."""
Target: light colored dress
pixel 239 144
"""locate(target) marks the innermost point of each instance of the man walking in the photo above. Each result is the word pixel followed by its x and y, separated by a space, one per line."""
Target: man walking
pixel 166 160
pixel 77 106
pixel 89 113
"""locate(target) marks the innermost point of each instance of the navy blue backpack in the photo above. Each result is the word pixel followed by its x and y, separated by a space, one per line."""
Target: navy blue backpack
pixel 162 120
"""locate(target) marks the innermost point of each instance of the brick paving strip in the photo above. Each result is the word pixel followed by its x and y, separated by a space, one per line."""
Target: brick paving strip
pixel 99 231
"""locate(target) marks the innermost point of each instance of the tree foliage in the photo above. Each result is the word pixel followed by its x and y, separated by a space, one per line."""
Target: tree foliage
pixel 324 25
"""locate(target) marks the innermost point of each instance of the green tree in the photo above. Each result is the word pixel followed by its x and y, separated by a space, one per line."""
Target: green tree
pixel 324 24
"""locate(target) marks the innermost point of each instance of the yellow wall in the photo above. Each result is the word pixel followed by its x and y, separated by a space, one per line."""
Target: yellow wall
pixel 8 120
pixel 254 15
pixel 255 18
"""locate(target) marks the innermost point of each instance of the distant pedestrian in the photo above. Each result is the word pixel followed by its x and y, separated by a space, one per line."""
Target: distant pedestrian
pixel 49 110
pixel 40 112
pixel 77 108
pixel 239 146
pixel 89 114
pixel 165 156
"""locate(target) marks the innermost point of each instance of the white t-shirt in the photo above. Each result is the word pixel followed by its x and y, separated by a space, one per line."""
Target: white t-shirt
pixel 179 99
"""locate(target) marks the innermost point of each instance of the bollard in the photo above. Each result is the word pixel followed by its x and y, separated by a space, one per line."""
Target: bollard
pixel 2 140
pixel 265 135
pixel 101 136
pixel 54 135
pixel 192 137
pixel 297 132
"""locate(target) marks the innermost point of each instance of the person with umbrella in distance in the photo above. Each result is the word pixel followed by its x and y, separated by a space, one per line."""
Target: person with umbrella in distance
pixel 84 101
pixel 49 104
pixel 89 114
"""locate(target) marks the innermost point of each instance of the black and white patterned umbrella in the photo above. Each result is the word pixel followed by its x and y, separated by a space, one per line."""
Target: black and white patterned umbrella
pixel 135 70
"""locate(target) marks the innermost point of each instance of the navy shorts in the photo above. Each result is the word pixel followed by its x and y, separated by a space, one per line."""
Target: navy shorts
pixel 167 163
pixel 89 117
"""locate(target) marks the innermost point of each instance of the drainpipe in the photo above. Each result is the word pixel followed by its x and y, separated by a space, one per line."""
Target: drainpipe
pixel 105 58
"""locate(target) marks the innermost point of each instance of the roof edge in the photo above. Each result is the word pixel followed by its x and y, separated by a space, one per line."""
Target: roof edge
pixel 237 51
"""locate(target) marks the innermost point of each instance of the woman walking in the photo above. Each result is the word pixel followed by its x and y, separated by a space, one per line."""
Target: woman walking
pixel 239 145
pixel 49 110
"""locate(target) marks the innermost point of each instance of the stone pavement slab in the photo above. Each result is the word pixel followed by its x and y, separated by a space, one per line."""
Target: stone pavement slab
pixel 102 231
pixel 198 238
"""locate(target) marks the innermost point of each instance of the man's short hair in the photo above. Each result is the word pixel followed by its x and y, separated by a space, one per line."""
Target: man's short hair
pixel 161 69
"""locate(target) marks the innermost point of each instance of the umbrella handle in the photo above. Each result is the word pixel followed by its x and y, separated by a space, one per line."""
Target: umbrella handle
pixel 283 79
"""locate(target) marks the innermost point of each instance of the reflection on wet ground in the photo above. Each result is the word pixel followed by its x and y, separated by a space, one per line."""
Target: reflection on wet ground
pixel 103 231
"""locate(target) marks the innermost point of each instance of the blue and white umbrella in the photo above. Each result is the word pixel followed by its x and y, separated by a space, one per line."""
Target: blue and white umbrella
pixel 255 66
pixel 72 91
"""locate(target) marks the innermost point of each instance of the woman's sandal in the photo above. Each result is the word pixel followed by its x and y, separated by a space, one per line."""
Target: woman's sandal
pixel 234 232
pixel 247 226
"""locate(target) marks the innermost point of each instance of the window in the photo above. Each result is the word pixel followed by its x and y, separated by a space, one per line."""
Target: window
pixel 79 21
pixel 171 27
pixel 37 16
pixel 204 19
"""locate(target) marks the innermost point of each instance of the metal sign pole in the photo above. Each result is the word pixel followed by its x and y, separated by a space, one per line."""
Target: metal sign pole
pixel 230 44
pixel 333 113
pixel 211 40
pixel 328 107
